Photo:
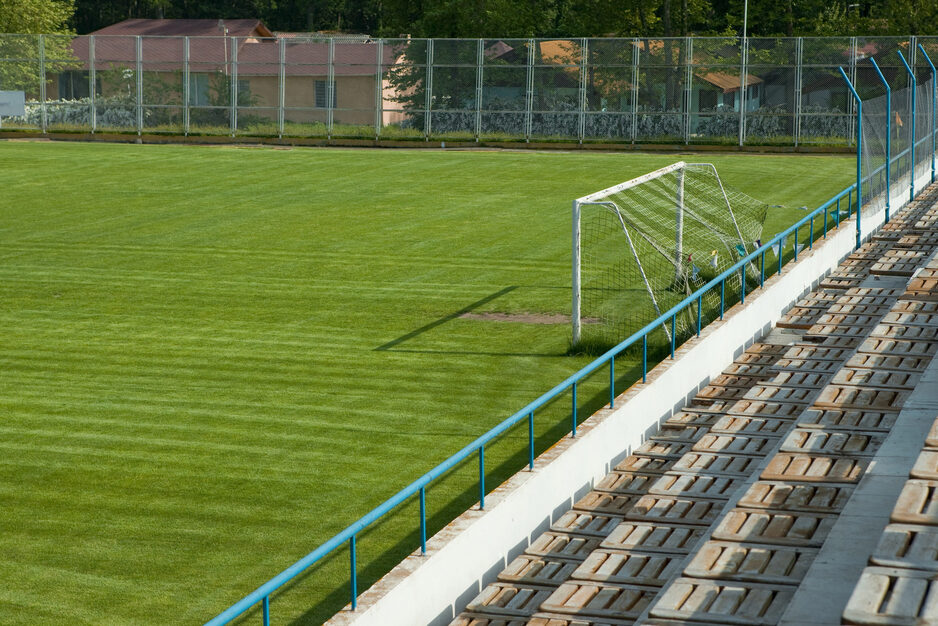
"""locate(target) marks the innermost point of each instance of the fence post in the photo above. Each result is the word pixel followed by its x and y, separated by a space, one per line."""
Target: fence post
pixel 482 477
pixel 186 119
pixel 581 121
pixel 743 87
pixel 636 50
pixel 281 86
pixel 573 413
pixel 379 87
pixel 688 85
pixel 529 92
pixel 330 90
pixel 43 119
pixel 799 77
pixel 480 63
pixel 888 132
pixel 423 520
pixel 92 80
pixel 934 111
pixel 353 574
pixel 139 76
pixel 234 86
pixel 852 66
pixel 428 95
pixel 911 130
pixel 859 102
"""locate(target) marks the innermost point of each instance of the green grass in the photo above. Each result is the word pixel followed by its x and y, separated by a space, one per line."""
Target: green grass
pixel 214 359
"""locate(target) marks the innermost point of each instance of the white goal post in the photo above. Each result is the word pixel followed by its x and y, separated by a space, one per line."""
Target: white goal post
pixel 640 210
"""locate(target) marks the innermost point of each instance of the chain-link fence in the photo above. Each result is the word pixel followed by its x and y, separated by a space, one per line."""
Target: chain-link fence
pixel 759 91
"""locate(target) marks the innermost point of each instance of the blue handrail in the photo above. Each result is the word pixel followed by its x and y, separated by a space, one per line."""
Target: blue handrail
pixel 262 593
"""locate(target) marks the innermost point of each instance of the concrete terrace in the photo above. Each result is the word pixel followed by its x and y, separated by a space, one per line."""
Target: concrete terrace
pixel 799 487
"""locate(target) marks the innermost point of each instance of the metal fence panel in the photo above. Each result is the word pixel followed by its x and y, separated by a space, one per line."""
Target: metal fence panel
pixel 785 91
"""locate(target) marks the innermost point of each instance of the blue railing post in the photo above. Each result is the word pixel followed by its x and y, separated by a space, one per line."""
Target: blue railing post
pixel 888 132
pixel 673 334
pixel 795 247
pixel 481 478
pixel 781 242
pixel 353 576
pixel 266 610
pixel 811 235
pixel 612 382
pixel 573 416
pixel 645 358
pixel 699 303
pixel 423 520
pixel 825 223
pixel 762 268
pixel 722 297
pixel 856 96
pixel 531 440
pixel 742 285
pixel 912 145
pixel 934 109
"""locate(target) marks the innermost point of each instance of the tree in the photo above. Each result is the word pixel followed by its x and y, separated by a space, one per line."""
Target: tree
pixel 31 17
pixel 36 16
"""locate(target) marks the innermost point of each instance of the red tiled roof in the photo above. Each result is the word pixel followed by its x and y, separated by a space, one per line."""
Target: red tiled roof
pixel 727 82
pixel 187 28
pixel 256 57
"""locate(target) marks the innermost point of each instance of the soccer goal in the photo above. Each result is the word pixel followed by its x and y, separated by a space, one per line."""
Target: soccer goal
pixel 644 245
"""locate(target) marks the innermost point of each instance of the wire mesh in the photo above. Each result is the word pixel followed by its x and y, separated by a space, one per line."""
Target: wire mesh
pixel 675 90
pixel 646 248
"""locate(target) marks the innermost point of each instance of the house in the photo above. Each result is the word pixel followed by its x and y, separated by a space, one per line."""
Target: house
pixel 722 90
pixel 216 50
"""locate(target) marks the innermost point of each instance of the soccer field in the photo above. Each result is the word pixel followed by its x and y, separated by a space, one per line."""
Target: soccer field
pixel 215 358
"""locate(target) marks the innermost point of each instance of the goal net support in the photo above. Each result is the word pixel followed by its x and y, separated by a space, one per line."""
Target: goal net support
pixel 644 245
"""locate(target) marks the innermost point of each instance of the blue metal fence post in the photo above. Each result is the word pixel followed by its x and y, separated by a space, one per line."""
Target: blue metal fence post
pixel 673 334
pixel 612 382
pixel 353 576
pixel 795 246
pixel 934 109
pixel 699 303
pixel 645 357
pixel 481 477
pixel 856 96
pixel 266 611
pixel 531 440
pixel 888 132
pixel 742 285
pixel 912 146
pixel 573 417
pixel 423 520
pixel 762 267
pixel 722 297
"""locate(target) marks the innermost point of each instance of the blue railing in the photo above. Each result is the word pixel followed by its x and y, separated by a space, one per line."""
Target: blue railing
pixel 261 595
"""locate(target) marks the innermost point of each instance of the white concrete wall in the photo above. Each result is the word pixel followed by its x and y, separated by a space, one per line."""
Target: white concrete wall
pixel 468 554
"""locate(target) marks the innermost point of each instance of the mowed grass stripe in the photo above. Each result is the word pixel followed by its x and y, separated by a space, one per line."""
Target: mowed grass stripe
pixel 192 388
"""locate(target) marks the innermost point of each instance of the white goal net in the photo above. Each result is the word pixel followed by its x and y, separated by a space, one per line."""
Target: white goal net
pixel 644 245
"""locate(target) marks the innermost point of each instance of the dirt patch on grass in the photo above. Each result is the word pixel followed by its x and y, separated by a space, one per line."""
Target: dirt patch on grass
pixel 525 318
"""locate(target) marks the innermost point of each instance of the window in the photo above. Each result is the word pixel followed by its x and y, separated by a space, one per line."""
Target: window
pixel 321 95
pixel 198 90
pixel 73 85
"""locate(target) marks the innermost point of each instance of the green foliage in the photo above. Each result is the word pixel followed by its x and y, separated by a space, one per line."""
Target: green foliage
pixel 36 16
